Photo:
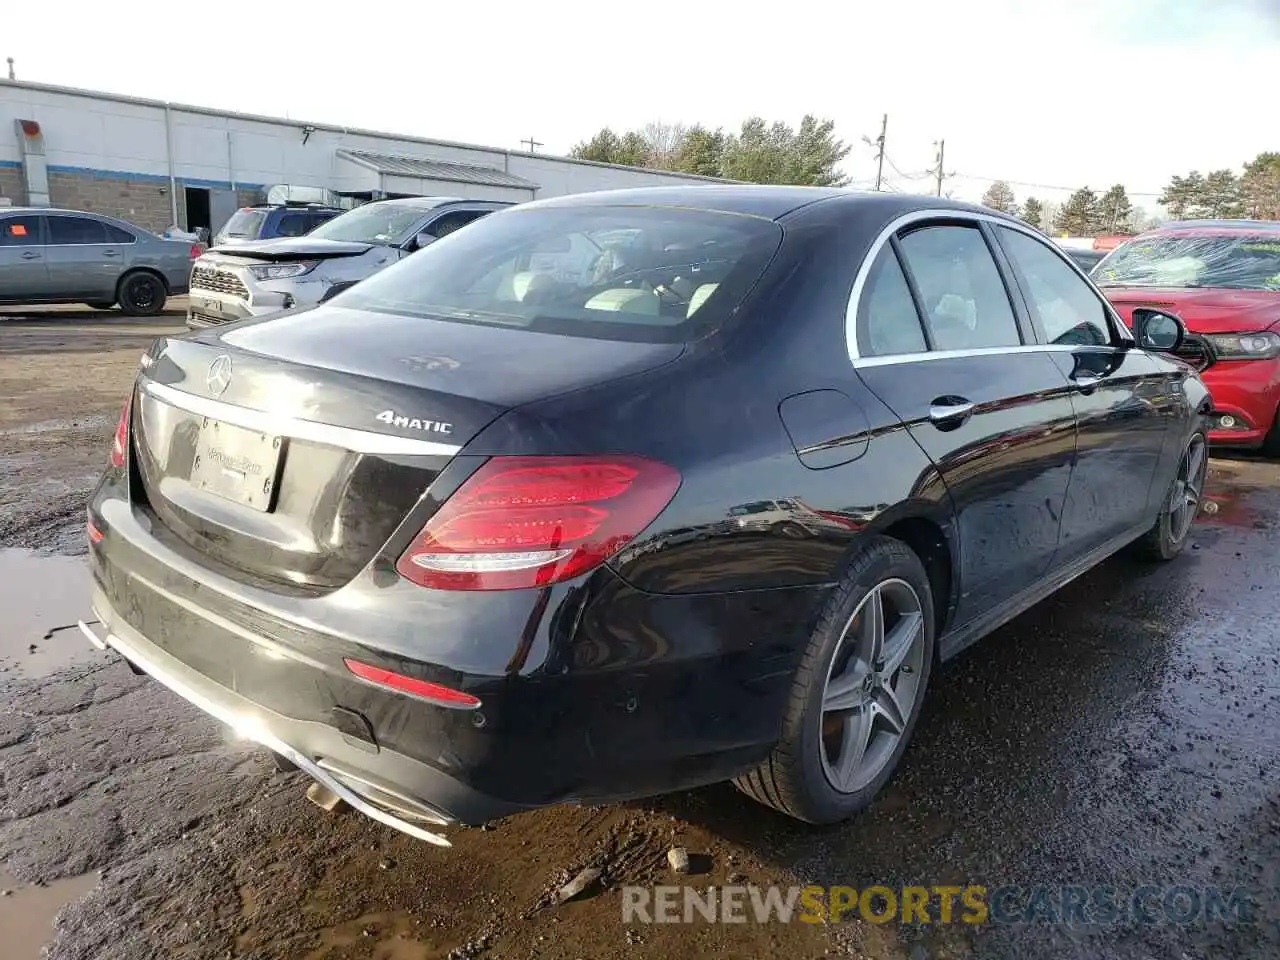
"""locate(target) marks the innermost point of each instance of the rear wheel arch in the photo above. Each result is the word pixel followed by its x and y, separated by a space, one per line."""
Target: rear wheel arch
pixel 924 532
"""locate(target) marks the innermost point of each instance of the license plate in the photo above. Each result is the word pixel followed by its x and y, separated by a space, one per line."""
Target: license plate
pixel 213 306
pixel 237 464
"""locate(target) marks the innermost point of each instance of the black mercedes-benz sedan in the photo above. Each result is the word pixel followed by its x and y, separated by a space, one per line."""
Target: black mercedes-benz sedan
pixel 621 493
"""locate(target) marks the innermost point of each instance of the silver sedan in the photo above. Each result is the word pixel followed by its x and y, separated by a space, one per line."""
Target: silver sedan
pixel 68 256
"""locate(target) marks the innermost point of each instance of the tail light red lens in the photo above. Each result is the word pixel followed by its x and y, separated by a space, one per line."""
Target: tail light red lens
pixel 423 689
pixel 120 443
pixel 521 522
pixel 197 251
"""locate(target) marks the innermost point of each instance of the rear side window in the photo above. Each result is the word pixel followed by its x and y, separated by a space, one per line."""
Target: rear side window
pixel 966 306
pixel 75 230
pixel 1067 310
pixel 20 231
pixel 887 319
pixel 118 235
pixel 651 274
pixel 293 225
pixel 319 218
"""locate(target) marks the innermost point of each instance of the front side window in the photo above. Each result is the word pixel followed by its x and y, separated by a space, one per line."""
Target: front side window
pixel 649 274
pixel 75 230
pixel 387 224
pixel 888 323
pixel 966 306
pixel 1069 312
pixel 20 231
pixel 1227 261
pixel 293 225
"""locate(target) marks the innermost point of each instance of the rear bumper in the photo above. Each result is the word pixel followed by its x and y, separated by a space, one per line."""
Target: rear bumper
pixel 590 690
pixel 1247 391
pixel 316 749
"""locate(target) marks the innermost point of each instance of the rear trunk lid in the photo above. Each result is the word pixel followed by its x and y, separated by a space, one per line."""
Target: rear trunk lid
pixel 287 451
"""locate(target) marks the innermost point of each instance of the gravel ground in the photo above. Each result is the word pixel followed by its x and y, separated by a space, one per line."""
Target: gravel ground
pixel 1122 733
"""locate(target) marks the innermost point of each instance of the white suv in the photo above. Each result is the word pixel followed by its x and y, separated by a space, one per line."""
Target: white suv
pixel 253 279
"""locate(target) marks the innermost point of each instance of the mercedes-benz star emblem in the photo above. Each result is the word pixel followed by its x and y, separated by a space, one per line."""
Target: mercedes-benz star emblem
pixel 219 375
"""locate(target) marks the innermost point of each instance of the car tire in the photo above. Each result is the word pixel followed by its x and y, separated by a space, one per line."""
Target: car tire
pixel 141 294
pixel 1172 529
pixel 837 695
pixel 100 304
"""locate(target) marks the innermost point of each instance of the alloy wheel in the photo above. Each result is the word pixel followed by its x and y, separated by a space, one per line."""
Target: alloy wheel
pixel 1188 485
pixel 872 685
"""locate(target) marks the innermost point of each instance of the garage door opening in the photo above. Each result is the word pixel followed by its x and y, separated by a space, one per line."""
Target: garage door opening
pixel 198 217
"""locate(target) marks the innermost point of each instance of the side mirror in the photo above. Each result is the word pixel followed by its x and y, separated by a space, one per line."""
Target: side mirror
pixel 1157 330
pixel 424 239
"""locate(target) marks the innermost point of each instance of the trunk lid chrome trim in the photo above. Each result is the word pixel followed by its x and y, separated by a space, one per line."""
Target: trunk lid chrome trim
pixel 357 441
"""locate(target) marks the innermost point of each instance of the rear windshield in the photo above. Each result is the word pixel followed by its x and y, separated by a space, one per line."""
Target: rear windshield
pixel 244 225
pixel 1235 262
pixel 380 223
pixel 652 274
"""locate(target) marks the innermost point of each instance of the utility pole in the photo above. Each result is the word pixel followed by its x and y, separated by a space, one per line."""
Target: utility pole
pixel 878 143
pixel 533 144
pixel 12 75
pixel 938 171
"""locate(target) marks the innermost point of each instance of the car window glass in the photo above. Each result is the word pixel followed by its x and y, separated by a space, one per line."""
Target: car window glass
pixel 888 322
pixel 75 230
pixel 965 303
pixel 1068 310
pixel 450 222
pixel 117 235
pixel 20 232
pixel 293 225
pixel 319 218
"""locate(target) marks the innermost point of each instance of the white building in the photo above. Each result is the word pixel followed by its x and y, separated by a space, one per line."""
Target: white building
pixel 156 163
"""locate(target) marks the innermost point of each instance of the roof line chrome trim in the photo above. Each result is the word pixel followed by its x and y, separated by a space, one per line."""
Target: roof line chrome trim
pixel 359 441
pixel 944 213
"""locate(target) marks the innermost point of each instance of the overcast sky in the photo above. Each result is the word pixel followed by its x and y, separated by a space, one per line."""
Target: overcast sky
pixel 1045 92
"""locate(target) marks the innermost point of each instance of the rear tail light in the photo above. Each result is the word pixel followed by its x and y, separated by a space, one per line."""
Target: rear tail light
pixel 95 535
pixel 531 521
pixel 197 251
pixel 120 443
pixel 423 689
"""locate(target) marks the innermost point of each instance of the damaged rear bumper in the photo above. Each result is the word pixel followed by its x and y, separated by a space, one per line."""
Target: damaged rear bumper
pixel 321 751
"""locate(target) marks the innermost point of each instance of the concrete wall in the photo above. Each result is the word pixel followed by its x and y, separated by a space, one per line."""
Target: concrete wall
pixel 96 142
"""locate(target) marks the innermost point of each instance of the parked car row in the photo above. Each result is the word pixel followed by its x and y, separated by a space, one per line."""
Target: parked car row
pixel 621 493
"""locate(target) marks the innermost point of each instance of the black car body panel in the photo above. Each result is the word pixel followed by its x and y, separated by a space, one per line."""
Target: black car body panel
pixel 669 664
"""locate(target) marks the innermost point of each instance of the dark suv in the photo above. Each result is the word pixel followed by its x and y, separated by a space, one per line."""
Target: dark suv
pixel 268 221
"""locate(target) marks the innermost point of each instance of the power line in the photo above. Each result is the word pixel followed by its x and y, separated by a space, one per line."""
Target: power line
pixel 1045 186
pixel 533 144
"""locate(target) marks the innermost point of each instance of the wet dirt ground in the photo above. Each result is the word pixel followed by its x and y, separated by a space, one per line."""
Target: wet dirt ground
pixel 1124 733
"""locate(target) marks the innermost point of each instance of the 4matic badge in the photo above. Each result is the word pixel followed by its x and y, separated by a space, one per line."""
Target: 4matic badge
pixel 394 419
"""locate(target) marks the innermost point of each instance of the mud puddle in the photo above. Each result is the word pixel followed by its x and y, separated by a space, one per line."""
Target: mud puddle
pixel 41 598
pixel 27 912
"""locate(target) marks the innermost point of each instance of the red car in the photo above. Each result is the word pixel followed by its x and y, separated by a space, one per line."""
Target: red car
pixel 1222 277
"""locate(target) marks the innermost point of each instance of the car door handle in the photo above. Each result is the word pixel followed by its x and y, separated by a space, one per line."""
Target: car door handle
pixel 111 253
pixel 950 411
pixel 31 255
pixel 1086 382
